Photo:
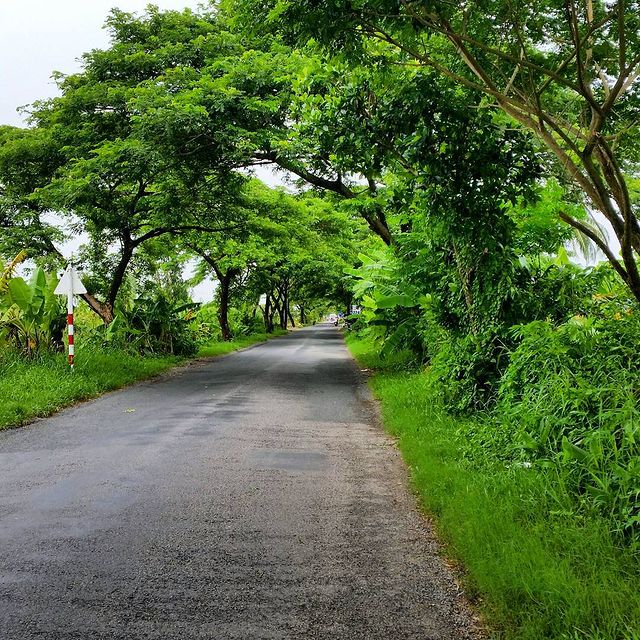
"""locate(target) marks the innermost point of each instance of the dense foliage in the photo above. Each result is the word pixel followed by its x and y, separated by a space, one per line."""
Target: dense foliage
pixel 465 175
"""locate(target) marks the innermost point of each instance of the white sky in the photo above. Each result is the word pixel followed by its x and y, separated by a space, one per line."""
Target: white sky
pixel 38 37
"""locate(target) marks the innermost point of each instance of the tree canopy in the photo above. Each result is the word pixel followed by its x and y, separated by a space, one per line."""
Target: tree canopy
pixel 566 71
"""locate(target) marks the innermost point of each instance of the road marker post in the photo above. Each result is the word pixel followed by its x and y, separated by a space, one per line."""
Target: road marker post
pixel 69 285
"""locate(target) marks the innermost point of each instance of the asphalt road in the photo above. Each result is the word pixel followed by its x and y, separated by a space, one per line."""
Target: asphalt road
pixel 249 497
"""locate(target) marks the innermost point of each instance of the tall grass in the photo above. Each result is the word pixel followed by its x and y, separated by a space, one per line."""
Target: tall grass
pixel 535 568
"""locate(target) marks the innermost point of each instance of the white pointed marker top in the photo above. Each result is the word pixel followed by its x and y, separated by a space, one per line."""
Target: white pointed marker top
pixel 70 283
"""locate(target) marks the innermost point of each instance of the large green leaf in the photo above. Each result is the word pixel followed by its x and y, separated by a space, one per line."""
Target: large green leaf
pixel 21 293
pixel 38 286
pixel 395 339
pixel 573 452
pixel 38 282
pixel 113 327
pixel 396 300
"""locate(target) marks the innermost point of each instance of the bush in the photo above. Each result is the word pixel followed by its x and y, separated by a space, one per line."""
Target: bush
pixel 465 371
pixel 537 568
pixel 244 321
pixel 153 326
pixel 571 396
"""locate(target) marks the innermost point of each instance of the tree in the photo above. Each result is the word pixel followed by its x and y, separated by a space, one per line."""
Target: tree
pixel 135 148
pixel 28 160
pixel 292 249
pixel 126 193
pixel 226 254
pixel 564 70
pixel 432 165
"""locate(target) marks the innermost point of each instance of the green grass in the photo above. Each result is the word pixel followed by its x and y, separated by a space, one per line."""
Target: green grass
pixel 30 389
pixel 535 569
pixel 40 387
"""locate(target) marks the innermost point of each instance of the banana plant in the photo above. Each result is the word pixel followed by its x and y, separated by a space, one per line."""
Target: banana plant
pixel 7 274
pixel 391 308
pixel 31 315
pixel 154 325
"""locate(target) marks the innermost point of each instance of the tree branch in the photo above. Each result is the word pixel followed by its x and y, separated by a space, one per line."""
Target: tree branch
pixel 337 186
pixel 593 236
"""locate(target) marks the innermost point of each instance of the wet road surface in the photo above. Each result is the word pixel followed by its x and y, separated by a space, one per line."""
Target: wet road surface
pixel 249 497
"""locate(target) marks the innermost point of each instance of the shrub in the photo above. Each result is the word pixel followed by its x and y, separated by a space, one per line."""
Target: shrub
pixel 465 371
pixel 244 320
pixel 31 315
pixel 571 396
pixel 153 326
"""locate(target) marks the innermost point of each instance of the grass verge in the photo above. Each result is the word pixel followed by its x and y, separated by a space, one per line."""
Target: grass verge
pixel 535 569
pixel 40 387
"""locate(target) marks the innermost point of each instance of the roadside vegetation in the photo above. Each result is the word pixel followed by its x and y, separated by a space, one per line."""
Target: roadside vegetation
pixel 535 564
pixel 465 178
pixel 43 385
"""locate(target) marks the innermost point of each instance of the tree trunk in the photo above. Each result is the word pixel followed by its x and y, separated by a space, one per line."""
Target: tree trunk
pixel 275 308
pixel 223 308
pixel 102 309
pixel 348 303
pixel 105 309
pixel 465 277
pixel 278 302
pixel 118 277
pixel 225 280
pixel 284 308
pixel 268 314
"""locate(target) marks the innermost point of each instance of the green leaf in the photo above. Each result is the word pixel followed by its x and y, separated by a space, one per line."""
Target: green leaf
pixel 573 452
pixel 393 342
pixel 528 442
pixel 38 281
pixel 398 300
pixel 20 292
pixel 113 328
pixel 562 259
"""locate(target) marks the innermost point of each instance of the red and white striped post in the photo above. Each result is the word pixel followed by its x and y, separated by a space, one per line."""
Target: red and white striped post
pixel 70 330
pixel 69 285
